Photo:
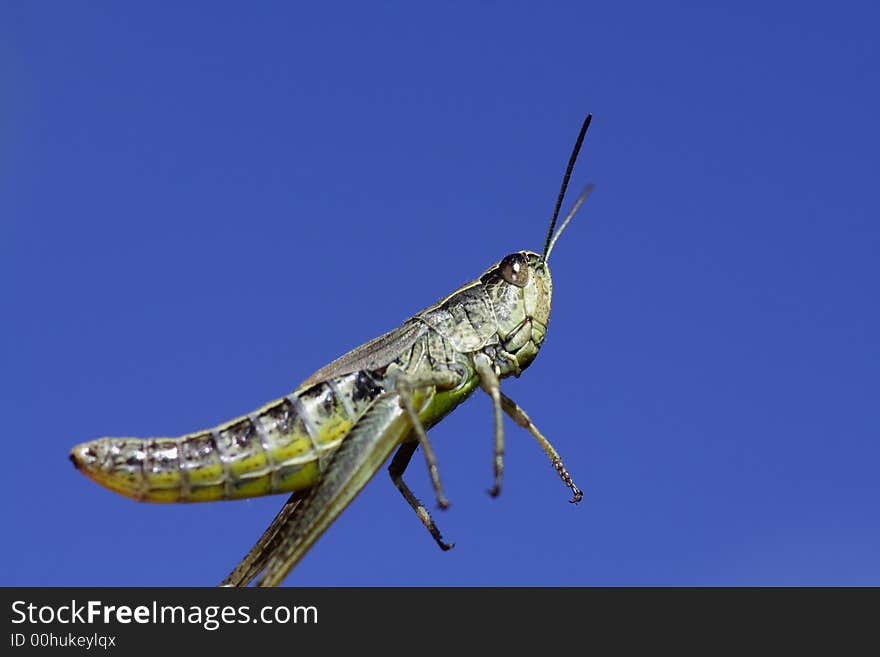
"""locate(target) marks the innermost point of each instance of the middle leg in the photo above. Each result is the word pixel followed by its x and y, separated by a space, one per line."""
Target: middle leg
pixel 406 386
pixel 396 469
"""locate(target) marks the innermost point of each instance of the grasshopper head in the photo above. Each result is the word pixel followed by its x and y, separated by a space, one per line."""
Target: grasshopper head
pixel 520 289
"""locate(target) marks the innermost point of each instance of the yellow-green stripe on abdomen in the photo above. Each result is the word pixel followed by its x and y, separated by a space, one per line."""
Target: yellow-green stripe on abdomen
pixel 278 448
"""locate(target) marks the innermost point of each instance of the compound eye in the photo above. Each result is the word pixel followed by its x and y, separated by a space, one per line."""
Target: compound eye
pixel 515 269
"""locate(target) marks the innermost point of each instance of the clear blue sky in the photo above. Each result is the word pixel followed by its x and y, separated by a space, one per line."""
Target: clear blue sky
pixel 200 206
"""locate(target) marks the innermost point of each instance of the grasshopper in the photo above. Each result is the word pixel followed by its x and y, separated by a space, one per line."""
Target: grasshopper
pixel 327 438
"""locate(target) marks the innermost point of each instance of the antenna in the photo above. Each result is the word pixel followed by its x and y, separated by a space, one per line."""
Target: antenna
pixel 577 204
pixel 568 169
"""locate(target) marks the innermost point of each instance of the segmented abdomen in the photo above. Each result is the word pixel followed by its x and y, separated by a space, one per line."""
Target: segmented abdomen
pixel 278 448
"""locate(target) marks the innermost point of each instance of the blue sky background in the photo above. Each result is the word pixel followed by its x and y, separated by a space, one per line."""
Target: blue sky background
pixel 200 206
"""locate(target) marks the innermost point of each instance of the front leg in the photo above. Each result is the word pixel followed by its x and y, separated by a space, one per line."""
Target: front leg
pixel 489 383
pixel 519 416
